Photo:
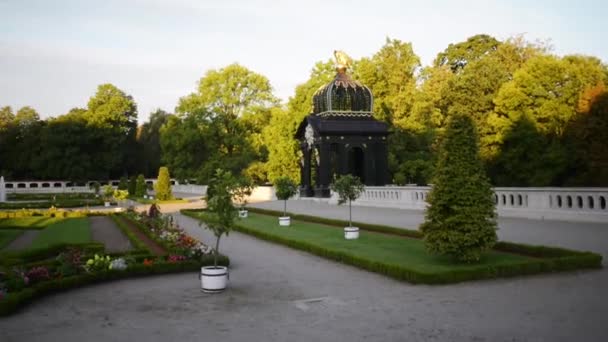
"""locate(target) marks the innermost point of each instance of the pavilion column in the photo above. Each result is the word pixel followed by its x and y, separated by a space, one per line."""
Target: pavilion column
pixel 305 187
pixel 324 170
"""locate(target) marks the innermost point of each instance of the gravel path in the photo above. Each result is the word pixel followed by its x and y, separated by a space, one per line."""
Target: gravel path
pixel 23 241
pixel 104 230
pixel 279 294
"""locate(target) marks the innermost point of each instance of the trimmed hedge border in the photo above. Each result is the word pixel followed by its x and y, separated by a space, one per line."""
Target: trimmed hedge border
pixel 137 244
pixel 548 259
pixel 15 301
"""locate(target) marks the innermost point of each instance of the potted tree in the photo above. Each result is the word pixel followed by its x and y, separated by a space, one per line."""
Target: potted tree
pixel 285 188
pixel 349 188
pixel 240 194
pixel 215 278
pixel 108 193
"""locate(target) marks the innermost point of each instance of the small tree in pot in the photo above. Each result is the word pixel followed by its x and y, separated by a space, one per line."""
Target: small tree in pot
pixel 349 188
pixel 214 278
pixel 108 194
pixel 285 188
pixel 241 192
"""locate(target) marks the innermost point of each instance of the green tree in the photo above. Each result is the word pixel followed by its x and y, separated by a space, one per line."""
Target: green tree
pixel 163 184
pixel 123 184
pixel 140 186
pixel 285 188
pixel 220 204
pixel 132 185
pixel 458 56
pixel 148 138
pixel 112 115
pixel 390 74
pixel 283 150
pixel 460 221
pixel 230 107
pixel 349 188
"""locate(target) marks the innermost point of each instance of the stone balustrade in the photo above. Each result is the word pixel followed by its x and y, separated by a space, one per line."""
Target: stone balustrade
pixel 576 204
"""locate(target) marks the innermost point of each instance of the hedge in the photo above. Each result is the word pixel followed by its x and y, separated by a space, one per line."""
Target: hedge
pixel 548 259
pixel 16 300
pixel 135 242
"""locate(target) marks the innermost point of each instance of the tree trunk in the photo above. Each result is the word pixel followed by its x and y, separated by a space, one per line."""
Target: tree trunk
pixel 217 246
pixel 350 214
pixel 285 208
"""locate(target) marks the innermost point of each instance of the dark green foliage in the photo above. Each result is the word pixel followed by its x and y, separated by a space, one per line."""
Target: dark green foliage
pixel 132 185
pixel 123 184
pixel 140 186
pixel 163 185
pixel 461 220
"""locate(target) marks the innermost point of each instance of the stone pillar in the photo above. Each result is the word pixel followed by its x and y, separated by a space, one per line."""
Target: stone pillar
pixel 2 190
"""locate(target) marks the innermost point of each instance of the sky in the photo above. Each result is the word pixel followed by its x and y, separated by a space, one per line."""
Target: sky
pixel 54 54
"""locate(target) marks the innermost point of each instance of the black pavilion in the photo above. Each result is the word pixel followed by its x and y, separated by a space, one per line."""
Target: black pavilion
pixel 342 137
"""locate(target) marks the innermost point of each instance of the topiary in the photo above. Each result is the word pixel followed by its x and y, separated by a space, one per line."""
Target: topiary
pixel 163 184
pixel 132 185
pixel 285 189
pixel 140 186
pixel 461 220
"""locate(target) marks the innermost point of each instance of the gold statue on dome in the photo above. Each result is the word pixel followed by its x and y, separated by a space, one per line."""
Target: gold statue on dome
pixel 343 61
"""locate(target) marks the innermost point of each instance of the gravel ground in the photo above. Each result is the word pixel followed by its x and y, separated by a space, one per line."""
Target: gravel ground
pixel 279 294
pixel 23 241
pixel 104 230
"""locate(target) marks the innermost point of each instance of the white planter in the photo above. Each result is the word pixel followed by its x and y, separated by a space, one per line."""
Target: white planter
pixel 106 204
pixel 243 213
pixel 214 279
pixel 351 233
pixel 284 221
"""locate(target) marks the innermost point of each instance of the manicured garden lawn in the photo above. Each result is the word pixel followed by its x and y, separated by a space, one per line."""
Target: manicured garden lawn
pixel 376 247
pixel 8 235
pixel 401 254
pixel 35 222
pixel 71 230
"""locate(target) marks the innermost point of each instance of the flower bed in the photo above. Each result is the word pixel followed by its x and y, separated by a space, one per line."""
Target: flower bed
pixel 27 275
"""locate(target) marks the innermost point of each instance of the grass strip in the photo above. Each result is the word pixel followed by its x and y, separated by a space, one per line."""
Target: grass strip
pixel 73 230
pixel 406 259
pixel 8 235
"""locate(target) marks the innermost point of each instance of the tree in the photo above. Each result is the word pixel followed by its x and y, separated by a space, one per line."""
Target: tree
pixel 285 188
pixel 132 185
pixel 283 150
pixel 390 74
pixel 220 204
pixel 140 186
pixel 349 188
pixel 230 108
pixel 460 221
pixel 458 56
pixel 113 116
pixel 163 185
pixel 124 183
pixel 148 138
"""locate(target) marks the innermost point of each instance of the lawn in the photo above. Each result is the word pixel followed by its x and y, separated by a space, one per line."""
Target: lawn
pixel 8 235
pixel 376 247
pixel 35 222
pixel 72 230
pixel 405 258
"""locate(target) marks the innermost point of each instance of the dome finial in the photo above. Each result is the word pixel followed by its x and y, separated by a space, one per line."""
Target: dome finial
pixel 343 61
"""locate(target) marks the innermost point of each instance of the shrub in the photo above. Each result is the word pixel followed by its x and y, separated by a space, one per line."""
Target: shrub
pixel 461 219
pixel 132 185
pixel 349 188
pixel 123 184
pixel 285 189
pixel 140 186
pixel 163 184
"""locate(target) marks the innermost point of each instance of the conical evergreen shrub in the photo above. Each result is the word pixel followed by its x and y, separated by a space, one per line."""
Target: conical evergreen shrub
pixel 460 221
